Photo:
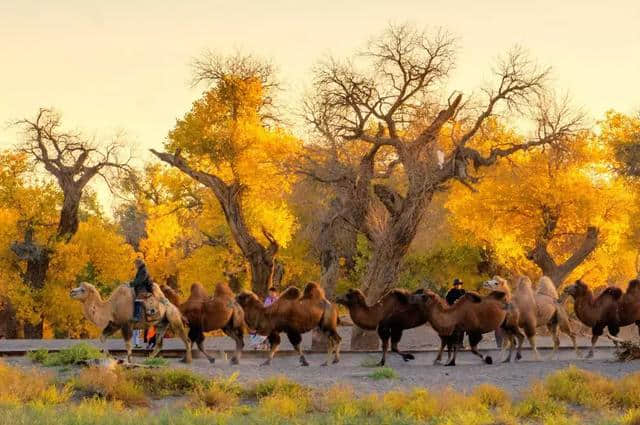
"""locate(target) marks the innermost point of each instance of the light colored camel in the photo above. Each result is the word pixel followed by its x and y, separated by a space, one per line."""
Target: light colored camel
pixel 552 314
pixel 116 313
pixel 524 302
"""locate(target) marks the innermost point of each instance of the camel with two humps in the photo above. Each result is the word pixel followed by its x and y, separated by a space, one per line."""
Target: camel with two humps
pixel 390 316
pixel 552 314
pixel 294 313
pixel 116 314
pixel 472 314
pixel 207 313
pixel 524 311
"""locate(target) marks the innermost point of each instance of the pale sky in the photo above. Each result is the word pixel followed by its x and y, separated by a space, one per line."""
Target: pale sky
pixel 124 64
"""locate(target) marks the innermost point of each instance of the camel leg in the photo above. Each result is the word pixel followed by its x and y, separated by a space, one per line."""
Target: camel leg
pixel 384 334
pixel 127 334
pixel 336 352
pixel 553 330
pixel 439 356
pixel 161 329
pixel 614 330
pixel 180 332
pixel 197 336
pixel 274 343
pixel 596 331
pixel 474 340
pixel 107 332
pixel 451 346
pixel 565 327
pixel 396 335
pixel 237 336
pixel 296 340
pixel 521 336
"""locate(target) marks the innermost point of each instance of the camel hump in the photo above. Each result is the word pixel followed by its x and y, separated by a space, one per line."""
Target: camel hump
pixel 473 297
pixel 222 290
pixel 401 295
pixel 546 287
pixel 291 293
pixel 497 295
pixel 633 285
pixel 313 290
pixel 613 292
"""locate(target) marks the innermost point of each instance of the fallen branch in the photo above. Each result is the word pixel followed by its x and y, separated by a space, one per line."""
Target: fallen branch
pixel 625 350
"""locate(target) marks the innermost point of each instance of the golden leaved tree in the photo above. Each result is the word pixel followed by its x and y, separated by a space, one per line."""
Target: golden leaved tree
pixel 559 212
pixel 225 143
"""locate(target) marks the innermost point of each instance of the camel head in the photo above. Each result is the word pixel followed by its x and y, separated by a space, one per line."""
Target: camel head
pixel 495 284
pixel 247 298
pixel 353 297
pixel 424 298
pixel 576 289
pixel 82 292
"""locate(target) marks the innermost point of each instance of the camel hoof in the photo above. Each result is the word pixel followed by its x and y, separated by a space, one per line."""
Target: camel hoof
pixel 185 360
pixel 335 361
pixel 234 361
pixel 304 363
pixel 436 362
pixel 518 356
pixel 488 360
pixel 408 357
pixel 325 364
pixel 380 363
pixel 451 363
pixel 589 355
pixel 212 360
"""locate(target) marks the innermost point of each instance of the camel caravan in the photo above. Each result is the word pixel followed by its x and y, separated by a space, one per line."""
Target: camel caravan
pixel 516 311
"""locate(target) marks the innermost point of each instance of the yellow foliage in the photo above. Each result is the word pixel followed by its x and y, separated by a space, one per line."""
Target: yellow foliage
pixel 506 212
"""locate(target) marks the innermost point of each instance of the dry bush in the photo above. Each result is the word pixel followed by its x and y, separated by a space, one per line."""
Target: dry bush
pixel 22 386
pixel 111 384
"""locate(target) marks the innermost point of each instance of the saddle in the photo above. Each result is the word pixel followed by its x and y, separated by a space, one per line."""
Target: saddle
pixel 150 305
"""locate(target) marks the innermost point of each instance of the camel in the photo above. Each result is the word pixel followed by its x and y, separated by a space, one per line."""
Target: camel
pixel 597 313
pixel 294 313
pixel 629 308
pixel 368 317
pixel 524 303
pixel 390 315
pixel 116 313
pixel 552 314
pixel 471 313
pixel 206 313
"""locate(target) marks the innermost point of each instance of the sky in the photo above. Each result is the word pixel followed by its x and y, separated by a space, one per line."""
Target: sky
pixel 123 65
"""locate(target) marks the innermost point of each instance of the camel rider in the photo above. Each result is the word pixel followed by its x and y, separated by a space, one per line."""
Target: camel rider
pixel 140 283
pixel 452 296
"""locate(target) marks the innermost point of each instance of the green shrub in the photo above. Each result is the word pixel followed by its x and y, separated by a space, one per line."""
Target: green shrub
pixel 166 382
pixel 383 373
pixel 76 354
pixel 155 362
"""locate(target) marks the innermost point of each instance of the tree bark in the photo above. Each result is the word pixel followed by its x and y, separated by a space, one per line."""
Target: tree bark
pixel 542 258
pixel 259 257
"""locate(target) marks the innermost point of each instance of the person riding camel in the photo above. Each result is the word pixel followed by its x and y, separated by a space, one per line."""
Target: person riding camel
pixel 141 282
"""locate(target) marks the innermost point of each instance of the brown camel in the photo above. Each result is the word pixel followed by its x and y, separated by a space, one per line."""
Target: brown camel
pixel 552 314
pixel 629 308
pixel 390 315
pixel 597 313
pixel 295 314
pixel 116 313
pixel 206 314
pixel 471 313
pixel 524 303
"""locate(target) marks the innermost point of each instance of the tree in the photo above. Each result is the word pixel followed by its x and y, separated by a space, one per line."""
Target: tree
pixel 561 210
pixel 385 101
pixel 73 161
pixel 227 144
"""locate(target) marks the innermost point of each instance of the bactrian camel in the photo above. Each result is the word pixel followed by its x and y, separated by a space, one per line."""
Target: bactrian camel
pixel 116 313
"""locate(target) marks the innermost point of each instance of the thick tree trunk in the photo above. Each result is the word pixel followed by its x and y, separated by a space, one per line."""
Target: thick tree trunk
pixel 8 320
pixel 559 272
pixel 68 225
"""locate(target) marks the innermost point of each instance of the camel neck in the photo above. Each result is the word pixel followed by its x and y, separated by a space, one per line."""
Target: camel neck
pixel 367 317
pixel 584 308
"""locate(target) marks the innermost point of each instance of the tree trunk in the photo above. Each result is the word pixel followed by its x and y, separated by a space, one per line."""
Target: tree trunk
pixel 8 320
pixel 559 272
pixel 68 225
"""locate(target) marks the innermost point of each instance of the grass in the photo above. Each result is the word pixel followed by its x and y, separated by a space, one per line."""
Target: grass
pixel 160 383
pixel 156 362
pixel 383 373
pixel 117 396
pixel 76 354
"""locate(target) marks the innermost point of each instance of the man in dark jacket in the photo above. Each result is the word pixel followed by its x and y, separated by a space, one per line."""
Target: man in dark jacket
pixel 142 282
pixel 455 292
pixel 452 296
